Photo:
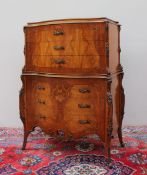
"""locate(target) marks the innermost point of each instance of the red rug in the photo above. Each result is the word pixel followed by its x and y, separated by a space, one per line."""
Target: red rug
pixel 47 156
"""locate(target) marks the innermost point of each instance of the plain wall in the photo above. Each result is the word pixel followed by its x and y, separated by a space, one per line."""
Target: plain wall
pixel 14 14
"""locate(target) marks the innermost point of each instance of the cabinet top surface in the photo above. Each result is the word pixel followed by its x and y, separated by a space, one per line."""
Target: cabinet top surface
pixel 66 21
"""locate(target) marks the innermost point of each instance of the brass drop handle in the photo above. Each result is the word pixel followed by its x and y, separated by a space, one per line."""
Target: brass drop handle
pixel 41 101
pixel 59 61
pixel 84 106
pixel 40 87
pixel 84 90
pixel 84 122
pixel 58 33
pixel 59 47
pixel 42 117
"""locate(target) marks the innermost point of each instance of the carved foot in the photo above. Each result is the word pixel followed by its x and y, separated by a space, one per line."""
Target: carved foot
pixel 110 164
pixel 112 137
pixel 108 154
pixel 84 145
pixel 25 140
pixel 107 151
pixel 122 144
pixel 120 137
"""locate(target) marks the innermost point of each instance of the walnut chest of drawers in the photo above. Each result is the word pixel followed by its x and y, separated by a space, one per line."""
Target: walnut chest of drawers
pixel 72 79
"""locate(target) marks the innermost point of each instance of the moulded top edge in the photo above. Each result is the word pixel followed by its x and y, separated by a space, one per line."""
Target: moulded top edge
pixel 100 76
pixel 67 21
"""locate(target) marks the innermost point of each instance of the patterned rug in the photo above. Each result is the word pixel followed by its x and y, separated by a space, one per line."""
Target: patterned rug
pixel 47 156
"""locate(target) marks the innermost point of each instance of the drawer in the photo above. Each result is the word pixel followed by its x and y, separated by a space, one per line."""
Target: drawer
pixel 85 31
pixel 81 125
pixel 40 88
pixel 80 106
pixel 62 48
pixel 44 120
pixel 84 91
pixel 66 64
pixel 41 115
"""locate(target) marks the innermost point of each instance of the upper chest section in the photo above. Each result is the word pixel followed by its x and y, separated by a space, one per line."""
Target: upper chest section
pixel 66 47
pixel 71 47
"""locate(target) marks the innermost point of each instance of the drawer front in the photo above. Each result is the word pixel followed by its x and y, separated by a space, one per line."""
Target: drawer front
pixel 83 91
pixel 79 105
pixel 61 48
pixel 81 125
pixel 66 64
pixel 91 31
pixel 40 88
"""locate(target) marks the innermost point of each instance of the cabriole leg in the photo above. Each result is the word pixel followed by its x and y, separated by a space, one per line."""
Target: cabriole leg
pixel 109 117
pixel 121 111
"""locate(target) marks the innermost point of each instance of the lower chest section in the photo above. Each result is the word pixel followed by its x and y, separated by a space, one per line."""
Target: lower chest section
pixel 74 106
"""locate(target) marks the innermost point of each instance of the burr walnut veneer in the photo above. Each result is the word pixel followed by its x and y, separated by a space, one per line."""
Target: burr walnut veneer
pixel 72 79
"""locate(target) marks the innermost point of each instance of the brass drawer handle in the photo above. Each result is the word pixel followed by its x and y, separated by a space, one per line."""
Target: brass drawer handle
pixel 84 122
pixel 59 47
pixel 41 117
pixel 84 106
pixel 84 90
pixel 57 33
pixel 59 61
pixel 40 87
pixel 41 101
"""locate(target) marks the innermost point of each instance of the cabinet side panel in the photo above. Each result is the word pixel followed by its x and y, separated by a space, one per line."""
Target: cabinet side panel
pixel 22 102
pixel 115 96
pixel 114 50
pixel 118 102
